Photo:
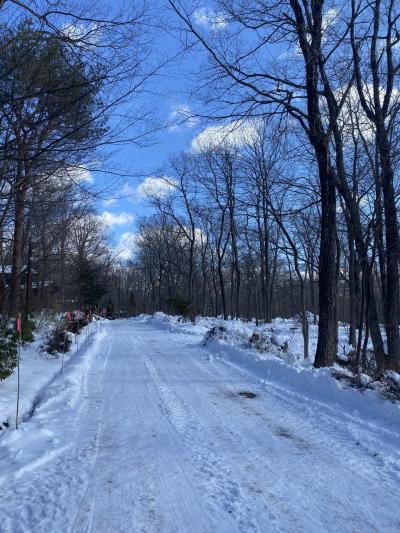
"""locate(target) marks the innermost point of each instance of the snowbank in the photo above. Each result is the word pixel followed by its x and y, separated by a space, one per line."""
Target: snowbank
pixel 37 370
pixel 35 443
pixel 287 371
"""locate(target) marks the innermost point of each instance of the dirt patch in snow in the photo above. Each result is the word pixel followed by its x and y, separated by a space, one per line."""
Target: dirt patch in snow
pixel 247 394
pixel 283 432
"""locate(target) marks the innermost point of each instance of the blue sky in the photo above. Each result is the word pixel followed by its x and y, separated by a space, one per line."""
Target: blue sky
pixel 169 96
pixel 126 203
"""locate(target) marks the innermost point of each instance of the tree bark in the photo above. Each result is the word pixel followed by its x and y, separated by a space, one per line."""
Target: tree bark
pixel 15 290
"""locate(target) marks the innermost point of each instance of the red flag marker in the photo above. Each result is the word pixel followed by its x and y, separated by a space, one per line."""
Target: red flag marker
pixel 19 325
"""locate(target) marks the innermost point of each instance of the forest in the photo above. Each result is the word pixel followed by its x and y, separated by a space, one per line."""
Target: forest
pixel 290 207
pixel 66 70
pixel 284 204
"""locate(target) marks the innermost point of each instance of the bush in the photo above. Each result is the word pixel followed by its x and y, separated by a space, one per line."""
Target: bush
pixel 27 329
pixel 57 341
pixel 267 343
pixel 83 322
pixel 8 354
pixel 180 306
pixel 44 320
pixel 215 333
pixel 73 326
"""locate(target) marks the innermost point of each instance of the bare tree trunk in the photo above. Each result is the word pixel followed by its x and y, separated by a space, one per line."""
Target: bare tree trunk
pixel 222 288
pixel 392 305
pixel 377 107
pixel 15 290
pixel 353 294
pixel 326 352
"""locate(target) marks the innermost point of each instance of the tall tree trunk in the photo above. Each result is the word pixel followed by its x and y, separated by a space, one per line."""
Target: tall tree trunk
pixel 310 44
pixel 15 290
pixel 222 288
pixel 267 269
pixel 392 305
pixel 190 288
pixel 379 111
pixel 326 352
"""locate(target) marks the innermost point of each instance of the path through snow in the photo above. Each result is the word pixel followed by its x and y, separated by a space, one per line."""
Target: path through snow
pixel 146 433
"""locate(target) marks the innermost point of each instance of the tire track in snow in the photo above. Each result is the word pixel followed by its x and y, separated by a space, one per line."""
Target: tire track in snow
pixel 344 428
pixel 306 479
pixel 218 479
pixel 132 489
pixel 239 445
pixel 83 517
pixel 369 441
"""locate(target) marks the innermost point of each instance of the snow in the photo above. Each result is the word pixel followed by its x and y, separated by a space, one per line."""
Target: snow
pixel 145 431
pixel 285 367
pixel 36 371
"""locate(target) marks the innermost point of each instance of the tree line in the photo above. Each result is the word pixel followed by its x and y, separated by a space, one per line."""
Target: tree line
pixel 66 68
pixel 286 205
pixel 297 200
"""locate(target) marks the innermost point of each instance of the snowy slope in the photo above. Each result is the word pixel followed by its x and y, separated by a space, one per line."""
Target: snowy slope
pixel 36 371
pixel 288 370
pixel 146 431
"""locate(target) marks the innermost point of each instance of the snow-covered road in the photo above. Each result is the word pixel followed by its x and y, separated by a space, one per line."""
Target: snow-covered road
pixel 148 433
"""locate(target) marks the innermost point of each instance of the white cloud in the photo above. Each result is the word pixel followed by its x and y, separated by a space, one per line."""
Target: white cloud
pixel 128 191
pixel 126 245
pixel 154 187
pixel 209 19
pixel 181 117
pixel 72 175
pixel 352 104
pixel 109 201
pixel 83 174
pixel 231 135
pixel 83 35
pixel 114 219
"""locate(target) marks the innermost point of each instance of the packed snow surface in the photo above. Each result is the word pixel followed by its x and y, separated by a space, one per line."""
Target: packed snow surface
pixel 146 431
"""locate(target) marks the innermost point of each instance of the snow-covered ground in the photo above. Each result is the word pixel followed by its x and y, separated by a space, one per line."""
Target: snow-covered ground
pixel 145 431
pixel 37 369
